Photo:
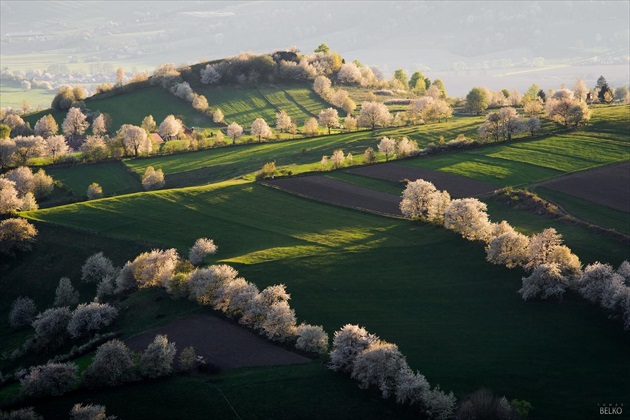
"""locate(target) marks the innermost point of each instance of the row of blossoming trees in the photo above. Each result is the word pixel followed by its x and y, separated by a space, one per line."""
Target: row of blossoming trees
pixel 551 266
pixel 366 358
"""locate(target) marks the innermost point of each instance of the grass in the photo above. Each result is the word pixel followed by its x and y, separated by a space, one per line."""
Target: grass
pixel 457 318
pixel 589 211
pixel 113 177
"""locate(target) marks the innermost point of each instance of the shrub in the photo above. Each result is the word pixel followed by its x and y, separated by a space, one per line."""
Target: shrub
pixel 279 322
pixel 153 179
pixel 111 366
pixel 90 317
pixel 50 379
pixel 94 191
pixel 157 359
pixel 22 312
pixel 188 359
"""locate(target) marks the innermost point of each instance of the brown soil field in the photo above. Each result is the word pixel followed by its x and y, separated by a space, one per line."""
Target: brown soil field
pixel 608 185
pixel 456 185
pixel 340 193
pixel 221 343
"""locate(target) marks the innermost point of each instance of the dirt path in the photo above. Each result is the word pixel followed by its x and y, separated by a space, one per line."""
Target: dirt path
pixel 221 343
pixel 456 185
pixel 340 193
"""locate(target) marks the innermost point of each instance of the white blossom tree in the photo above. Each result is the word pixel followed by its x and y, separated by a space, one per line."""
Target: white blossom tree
pixel 99 125
pixel 349 74
pixel 540 247
pixel 75 123
pixel 508 249
pixel 337 159
pixel 438 404
pixel 135 140
pixel 170 127
pixel 260 129
pixel 153 179
pixel 410 386
pixel 379 365
pixel 283 121
pixel 91 317
pixel 348 343
pixel 16 235
pixel 422 200
pixel 157 359
pixel 94 190
pixel 311 127
pixel 96 268
pixel 51 327
pixel 111 366
pixel 22 312
pixel 545 281
pixel 66 294
pixel 469 218
pixel 217 116
pixel 279 322
pixel 406 147
pixel 201 249
pixel 89 412
pixel 322 86
pixel 234 131
pixel 387 147
pixel 50 379
pixel 329 118
pixel 373 114
pixel 46 126
pixel 148 123
pixel 312 338
pixel 9 197
pixel 154 268
pixel 205 282
pixel 56 146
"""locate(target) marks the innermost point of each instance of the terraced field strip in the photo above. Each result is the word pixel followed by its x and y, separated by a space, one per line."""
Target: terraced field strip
pixel 281 101
pixel 307 99
pixel 457 186
pixel 340 193
pixel 221 343
pixel 608 186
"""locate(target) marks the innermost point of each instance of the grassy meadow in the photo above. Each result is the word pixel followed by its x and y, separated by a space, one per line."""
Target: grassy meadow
pixel 457 318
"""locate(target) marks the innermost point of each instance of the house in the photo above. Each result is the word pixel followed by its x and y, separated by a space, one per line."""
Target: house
pixel 156 138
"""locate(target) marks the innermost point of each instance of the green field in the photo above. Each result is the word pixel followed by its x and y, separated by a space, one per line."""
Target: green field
pixel 113 177
pixel 132 107
pixel 13 96
pixel 589 211
pixel 534 160
pixel 458 320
